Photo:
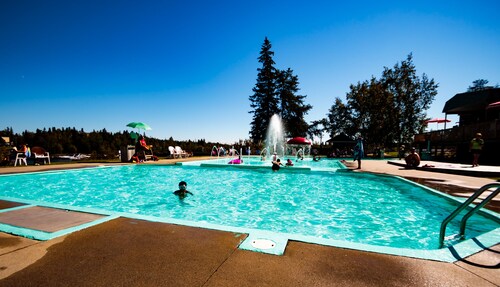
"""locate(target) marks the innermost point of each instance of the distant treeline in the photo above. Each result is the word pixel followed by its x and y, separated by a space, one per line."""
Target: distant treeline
pixel 99 144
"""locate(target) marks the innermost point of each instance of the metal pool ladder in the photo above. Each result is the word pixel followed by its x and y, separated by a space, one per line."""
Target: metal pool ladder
pixel 471 212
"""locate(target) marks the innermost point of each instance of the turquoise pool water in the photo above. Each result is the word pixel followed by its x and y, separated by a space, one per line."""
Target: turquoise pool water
pixel 324 164
pixel 353 207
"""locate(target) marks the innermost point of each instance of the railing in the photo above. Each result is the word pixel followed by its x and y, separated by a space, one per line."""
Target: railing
pixel 489 130
pixel 471 212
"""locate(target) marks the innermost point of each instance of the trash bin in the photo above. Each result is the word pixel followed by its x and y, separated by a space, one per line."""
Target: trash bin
pixel 127 153
pixel 426 155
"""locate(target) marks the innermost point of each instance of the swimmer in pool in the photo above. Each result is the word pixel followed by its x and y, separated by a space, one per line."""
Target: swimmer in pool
pixel 276 165
pixel 182 192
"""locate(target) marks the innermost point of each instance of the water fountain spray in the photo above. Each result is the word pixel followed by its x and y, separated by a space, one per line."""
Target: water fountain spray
pixel 275 136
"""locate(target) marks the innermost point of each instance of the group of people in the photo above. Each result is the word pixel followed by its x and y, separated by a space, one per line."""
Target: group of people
pixel 141 150
pixel 277 163
pixel 23 151
pixel 412 159
pixel 475 147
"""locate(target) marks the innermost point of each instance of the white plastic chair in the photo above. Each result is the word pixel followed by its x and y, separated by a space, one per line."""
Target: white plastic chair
pixel 20 158
pixel 173 153
pixel 180 152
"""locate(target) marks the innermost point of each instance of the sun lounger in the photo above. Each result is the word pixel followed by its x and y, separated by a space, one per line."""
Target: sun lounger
pixel 173 153
pixel 180 152
pixel 149 155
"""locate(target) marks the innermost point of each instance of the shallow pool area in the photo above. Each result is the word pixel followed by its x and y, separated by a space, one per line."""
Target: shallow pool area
pixel 339 208
pixel 306 163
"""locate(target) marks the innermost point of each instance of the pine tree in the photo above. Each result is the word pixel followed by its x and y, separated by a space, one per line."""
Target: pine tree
pixel 478 85
pixel 292 105
pixel 264 101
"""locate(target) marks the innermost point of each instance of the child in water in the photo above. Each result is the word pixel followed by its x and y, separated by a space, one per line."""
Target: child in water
pixel 182 192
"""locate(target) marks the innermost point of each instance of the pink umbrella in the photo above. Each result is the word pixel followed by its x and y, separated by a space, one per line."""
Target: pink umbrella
pixel 437 121
pixel 493 105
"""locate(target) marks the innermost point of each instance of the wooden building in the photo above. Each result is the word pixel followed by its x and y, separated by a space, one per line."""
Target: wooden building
pixel 479 112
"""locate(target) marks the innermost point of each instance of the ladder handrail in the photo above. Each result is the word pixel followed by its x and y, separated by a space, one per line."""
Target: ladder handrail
pixel 475 209
pixel 464 205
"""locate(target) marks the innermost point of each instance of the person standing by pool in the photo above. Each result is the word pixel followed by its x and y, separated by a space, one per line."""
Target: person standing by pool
pixel 182 192
pixel 401 153
pixel 475 147
pixel 358 151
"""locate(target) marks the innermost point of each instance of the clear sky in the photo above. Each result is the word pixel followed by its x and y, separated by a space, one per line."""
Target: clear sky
pixel 187 68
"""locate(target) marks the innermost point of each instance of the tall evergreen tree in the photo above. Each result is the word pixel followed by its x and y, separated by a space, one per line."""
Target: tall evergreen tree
pixel 293 109
pixel 264 100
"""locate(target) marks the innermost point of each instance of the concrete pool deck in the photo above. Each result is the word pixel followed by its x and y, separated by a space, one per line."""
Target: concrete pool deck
pixel 133 252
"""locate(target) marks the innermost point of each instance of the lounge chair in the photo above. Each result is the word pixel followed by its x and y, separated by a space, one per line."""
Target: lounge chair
pixel 180 152
pixel 172 151
pixel 149 155
pixel 40 153
pixel 145 154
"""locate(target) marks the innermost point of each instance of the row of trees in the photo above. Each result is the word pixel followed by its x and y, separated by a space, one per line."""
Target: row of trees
pixel 99 144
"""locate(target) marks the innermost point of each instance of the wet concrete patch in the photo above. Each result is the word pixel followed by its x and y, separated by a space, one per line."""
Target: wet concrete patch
pixel 46 219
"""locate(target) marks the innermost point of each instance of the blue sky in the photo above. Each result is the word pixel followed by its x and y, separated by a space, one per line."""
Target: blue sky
pixel 187 68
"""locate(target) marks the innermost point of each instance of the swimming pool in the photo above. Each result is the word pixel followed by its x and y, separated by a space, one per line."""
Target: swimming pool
pixel 320 206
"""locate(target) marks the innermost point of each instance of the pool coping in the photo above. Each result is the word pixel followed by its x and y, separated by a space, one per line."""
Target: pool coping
pixel 448 254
